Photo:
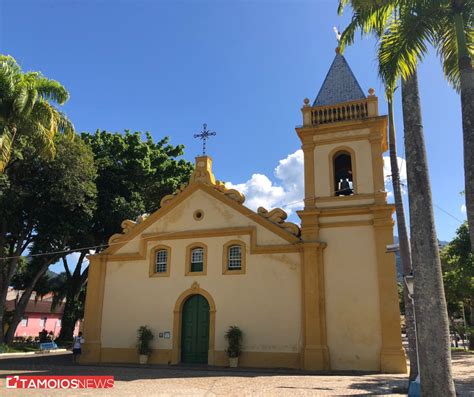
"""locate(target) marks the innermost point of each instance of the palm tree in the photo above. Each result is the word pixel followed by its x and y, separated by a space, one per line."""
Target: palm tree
pixel 448 25
pixel 25 109
pixel 403 37
pixel 361 14
pixel 455 38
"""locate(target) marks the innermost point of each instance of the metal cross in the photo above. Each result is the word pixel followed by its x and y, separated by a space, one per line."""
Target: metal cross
pixel 205 134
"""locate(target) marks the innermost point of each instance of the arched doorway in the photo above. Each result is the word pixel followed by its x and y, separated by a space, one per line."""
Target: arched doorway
pixel 195 330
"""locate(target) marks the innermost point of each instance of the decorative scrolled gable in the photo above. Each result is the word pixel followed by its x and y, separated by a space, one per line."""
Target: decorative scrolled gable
pixel 233 194
pixel 127 226
pixel 278 216
pixel 205 180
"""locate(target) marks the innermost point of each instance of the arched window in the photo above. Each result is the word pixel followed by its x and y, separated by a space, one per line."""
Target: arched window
pixel 343 176
pixel 160 261
pixel 233 257
pixel 196 258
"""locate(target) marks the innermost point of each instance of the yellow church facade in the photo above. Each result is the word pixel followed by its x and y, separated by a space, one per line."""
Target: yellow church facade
pixel 320 296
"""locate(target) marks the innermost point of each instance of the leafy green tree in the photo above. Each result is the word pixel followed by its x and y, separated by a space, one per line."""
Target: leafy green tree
pixel 458 272
pixel 404 30
pixel 44 206
pixel 134 174
pixel 458 275
pixel 26 109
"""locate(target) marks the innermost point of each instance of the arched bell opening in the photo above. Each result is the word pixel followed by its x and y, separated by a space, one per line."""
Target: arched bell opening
pixel 343 174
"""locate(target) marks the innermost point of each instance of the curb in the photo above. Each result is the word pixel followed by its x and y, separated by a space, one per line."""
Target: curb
pixel 35 353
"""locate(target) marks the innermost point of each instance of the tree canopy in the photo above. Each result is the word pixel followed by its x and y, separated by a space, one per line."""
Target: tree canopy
pixel 45 206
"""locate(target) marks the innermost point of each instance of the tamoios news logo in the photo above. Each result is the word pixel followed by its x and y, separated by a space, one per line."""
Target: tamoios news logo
pixel 60 382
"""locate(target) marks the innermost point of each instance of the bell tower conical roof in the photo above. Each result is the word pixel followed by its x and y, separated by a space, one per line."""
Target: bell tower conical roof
pixel 340 84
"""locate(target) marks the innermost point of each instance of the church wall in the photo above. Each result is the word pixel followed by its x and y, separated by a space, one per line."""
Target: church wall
pixel 352 298
pixel 362 166
pixel 265 302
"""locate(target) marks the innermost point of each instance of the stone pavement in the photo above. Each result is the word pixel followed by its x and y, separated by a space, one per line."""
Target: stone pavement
pixel 135 380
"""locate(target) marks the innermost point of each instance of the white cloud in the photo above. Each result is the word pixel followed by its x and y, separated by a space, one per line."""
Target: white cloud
pixel 387 173
pixel 463 208
pixel 287 192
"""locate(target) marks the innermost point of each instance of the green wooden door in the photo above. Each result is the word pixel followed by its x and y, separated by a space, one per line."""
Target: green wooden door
pixel 195 330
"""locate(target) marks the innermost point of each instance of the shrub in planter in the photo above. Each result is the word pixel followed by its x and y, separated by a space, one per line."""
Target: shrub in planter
pixel 234 345
pixel 144 338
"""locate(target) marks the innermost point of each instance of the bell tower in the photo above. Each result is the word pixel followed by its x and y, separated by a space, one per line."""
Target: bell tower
pixel 351 313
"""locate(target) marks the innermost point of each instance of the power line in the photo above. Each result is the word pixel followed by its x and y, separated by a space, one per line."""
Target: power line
pixel 101 245
pixel 449 214
pixel 94 247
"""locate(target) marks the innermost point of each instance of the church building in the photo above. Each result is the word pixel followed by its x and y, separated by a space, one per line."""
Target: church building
pixel 319 296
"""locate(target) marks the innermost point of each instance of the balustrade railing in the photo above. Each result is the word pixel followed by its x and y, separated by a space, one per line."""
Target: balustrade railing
pixel 342 112
pixel 346 111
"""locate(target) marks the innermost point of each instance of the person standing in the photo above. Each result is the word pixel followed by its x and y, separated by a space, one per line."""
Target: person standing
pixel 77 347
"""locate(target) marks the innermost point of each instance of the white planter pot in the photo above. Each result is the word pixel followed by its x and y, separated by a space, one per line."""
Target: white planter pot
pixel 233 362
pixel 143 358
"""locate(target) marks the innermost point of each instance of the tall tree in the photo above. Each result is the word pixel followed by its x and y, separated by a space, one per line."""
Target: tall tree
pixel 430 303
pixel 26 108
pixel 454 39
pixel 403 41
pixel 134 173
pixel 448 25
pixel 43 204
pixel 371 20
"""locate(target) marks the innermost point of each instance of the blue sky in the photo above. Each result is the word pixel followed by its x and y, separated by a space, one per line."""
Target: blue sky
pixel 243 67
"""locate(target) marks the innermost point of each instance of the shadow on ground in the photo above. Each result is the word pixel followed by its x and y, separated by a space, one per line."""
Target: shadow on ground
pixel 61 364
pixel 363 382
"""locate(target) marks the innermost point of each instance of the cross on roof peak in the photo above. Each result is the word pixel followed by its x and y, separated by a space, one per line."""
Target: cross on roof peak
pixel 204 135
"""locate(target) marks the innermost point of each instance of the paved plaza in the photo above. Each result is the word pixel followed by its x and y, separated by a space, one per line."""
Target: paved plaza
pixel 178 381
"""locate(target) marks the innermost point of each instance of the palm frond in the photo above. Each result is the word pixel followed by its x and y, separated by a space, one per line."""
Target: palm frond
pixel 6 140
pixel 370 17
pixel 51 90
pixel 445 41
pixel 21 98
pixel 404 44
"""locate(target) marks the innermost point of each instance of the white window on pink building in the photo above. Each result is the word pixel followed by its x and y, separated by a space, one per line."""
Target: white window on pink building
pixel 43 321
pixel 24 322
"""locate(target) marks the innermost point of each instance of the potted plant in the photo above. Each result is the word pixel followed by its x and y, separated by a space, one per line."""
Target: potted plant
pixel 144 338
pixel 234 347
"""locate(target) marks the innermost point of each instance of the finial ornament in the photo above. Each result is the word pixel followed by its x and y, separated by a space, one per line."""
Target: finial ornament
pixel 205 134
pixel 338 34
pixel 306 101
pixel 371 91
pixel 338 38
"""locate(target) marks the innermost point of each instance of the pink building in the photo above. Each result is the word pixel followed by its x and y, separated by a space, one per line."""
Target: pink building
pixel 38 316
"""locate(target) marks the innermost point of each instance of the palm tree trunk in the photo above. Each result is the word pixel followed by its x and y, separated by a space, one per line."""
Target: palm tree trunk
pixel 430 304
pixel 405 255
pixel 467 107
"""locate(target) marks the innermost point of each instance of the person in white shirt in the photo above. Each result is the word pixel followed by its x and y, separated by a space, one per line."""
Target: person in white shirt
pixel 76 347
